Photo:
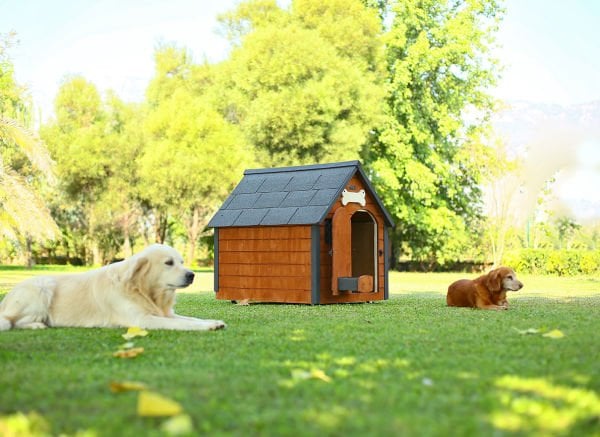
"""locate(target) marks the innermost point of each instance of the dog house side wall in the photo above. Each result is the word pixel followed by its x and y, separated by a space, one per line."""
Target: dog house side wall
pixel 264 263
pixel 326 294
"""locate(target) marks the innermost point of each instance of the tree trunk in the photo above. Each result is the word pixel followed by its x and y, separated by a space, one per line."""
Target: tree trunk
pixel 96 253
pixel 29 254
pixel 127 250
pixel 160 227
pixel 194 229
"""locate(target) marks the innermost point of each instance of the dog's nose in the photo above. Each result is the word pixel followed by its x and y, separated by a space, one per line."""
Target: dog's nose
pixel 189 277
pixel 520 285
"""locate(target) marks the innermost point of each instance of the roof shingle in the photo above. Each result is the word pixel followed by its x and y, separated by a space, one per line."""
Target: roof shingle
pixel 290 195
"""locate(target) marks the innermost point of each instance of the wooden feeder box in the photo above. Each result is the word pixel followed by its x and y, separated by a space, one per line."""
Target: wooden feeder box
pixel 311 234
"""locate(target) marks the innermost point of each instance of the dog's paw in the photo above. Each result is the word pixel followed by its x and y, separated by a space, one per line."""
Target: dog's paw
pixel 34 325
pixel 217 324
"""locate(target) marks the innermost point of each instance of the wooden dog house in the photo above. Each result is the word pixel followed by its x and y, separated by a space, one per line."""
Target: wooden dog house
pixel 311 234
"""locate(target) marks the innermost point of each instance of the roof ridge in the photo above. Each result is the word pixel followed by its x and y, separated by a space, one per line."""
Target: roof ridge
pixel 343 164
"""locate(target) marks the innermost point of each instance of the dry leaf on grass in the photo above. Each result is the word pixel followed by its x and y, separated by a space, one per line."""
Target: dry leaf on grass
pixel 128 353
pixel 133 332
pixel 299 374
pixel 555 333
pixel 21 424
pixel 178 425
pixel 121 386
pixel 152 404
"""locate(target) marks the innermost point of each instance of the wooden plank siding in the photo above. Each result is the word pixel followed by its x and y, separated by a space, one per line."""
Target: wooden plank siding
pixel 270 263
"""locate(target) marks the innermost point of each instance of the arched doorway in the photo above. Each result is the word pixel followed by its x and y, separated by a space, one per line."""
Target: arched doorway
pixel 354 250
pixel 364 245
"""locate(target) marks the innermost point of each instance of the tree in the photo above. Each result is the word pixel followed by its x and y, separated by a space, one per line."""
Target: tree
pixel 438 72
pixel 302 84
pixel 194 156
pixel 25 164
pixel 566 228
pixel 118 208
pixel 502 181
pixel 94 145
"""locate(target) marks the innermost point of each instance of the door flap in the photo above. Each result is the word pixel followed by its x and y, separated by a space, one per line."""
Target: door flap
pixel 341 245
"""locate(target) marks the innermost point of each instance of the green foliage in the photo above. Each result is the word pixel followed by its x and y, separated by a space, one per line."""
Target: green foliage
pixel 25 166
pixel 422 158
pixel 193 156
pixel 554 262
pixel 298 92
pixel 350 27
pixel 76 139
pixel 14 102
pixel 94 143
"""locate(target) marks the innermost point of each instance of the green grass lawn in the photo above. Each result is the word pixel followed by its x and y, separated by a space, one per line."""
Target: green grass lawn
pixel 406 366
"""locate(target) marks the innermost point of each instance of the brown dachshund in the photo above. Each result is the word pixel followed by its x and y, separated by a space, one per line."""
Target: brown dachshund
pixel 487 292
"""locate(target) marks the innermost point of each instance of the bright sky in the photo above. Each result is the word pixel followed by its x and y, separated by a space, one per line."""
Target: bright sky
pixel 551 53
pixel 110 42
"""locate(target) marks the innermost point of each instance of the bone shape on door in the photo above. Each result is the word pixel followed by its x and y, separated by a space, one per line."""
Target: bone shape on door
pixel 354 197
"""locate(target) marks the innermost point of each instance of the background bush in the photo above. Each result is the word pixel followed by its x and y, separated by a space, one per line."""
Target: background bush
pixel 554 262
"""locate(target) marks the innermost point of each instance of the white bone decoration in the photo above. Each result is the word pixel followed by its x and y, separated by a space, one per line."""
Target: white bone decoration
pixel 354 197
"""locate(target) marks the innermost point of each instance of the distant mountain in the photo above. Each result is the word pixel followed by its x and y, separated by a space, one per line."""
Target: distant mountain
pixel 520 122
pixel 557 142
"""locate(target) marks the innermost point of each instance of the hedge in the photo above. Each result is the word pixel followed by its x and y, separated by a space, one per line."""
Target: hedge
pixel 554 262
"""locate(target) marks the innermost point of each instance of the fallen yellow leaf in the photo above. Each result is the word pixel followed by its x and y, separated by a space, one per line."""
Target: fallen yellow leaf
pixel 555 333
pixel 152 404
pixel 133 332
pixel 21 424
pixel 178 425
pixel 299 374
pixel 128 353
pixel 319 374
pixel 121 386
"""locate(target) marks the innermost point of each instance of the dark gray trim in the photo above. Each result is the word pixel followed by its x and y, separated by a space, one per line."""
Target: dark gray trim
pixel 303 167
pixel 347 284
pixel 315 263
pixel 216 260
pixel 386 262
pixel 386 214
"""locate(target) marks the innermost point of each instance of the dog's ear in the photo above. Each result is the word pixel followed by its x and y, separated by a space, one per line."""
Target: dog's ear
pixel 135 275
pixel 493 282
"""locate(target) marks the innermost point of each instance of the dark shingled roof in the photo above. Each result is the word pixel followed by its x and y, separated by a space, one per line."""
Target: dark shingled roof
pixel 289 196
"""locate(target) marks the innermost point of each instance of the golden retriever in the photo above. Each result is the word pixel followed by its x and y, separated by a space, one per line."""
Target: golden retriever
pixel 139 291
pixel 486 292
